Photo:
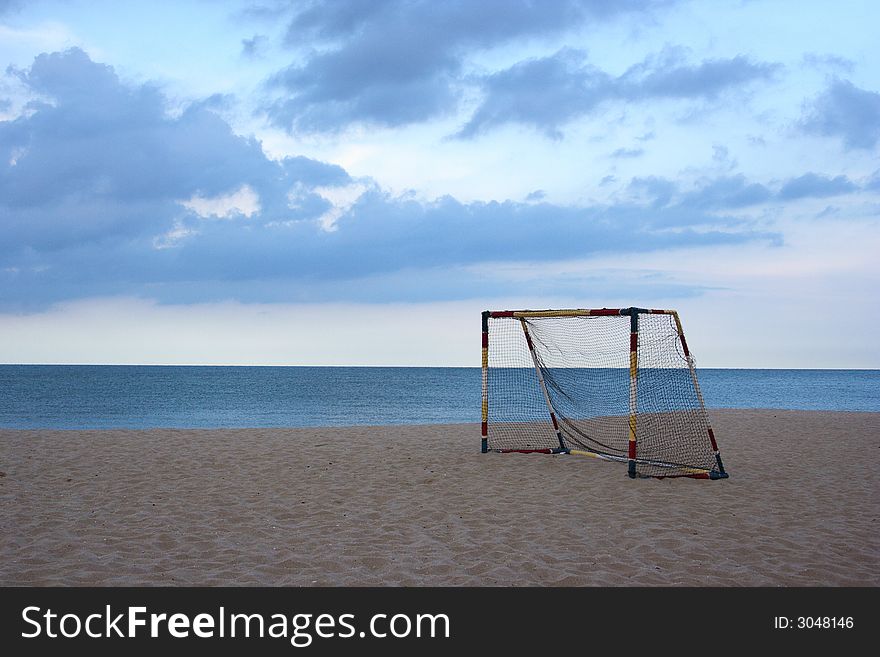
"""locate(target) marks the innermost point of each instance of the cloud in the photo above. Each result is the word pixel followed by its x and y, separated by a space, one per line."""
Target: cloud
pixel 254 46
pixel 392 62
pixel 727 192
pixel 384 248
pixel 730 193
pixel 104 193
pixel 812 185
pixel 9 6
pixel 546 93
pixel 102 160
pixel 242 202
pixel 846 111
pixel 657 190
pixel 543 93
pixel 721 155
pixel 832 62
pixel 666 75
pixel 536 195
pixel 628 152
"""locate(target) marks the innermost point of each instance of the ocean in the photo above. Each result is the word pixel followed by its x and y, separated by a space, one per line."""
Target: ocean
pixel 135 396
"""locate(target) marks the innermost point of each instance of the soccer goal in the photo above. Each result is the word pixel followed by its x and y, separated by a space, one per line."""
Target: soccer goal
pixel 617 384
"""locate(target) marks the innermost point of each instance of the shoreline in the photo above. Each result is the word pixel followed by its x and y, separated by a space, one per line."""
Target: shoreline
pixel 374 426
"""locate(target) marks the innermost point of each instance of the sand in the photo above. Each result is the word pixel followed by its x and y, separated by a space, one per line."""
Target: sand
pixel 418 505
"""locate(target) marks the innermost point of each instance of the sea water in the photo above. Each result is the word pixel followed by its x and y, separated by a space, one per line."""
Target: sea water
pixel 124 396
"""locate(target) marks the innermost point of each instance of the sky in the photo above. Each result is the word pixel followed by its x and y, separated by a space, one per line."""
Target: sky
pixel 350 182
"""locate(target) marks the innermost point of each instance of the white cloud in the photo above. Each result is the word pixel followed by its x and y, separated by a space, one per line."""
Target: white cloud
pixel 16 155
pixel 242 202
pixel 173 237
pixel 342 198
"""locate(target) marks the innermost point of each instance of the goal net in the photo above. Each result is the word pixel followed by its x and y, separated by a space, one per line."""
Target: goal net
pixel 617 384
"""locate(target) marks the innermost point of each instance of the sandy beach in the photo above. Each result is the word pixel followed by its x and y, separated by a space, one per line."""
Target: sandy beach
pixel 419 505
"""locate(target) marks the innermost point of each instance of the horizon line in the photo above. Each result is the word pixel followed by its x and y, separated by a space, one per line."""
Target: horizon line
pixel 476 367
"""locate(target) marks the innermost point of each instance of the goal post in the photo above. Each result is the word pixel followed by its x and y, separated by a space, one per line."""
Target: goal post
pixel 618 384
